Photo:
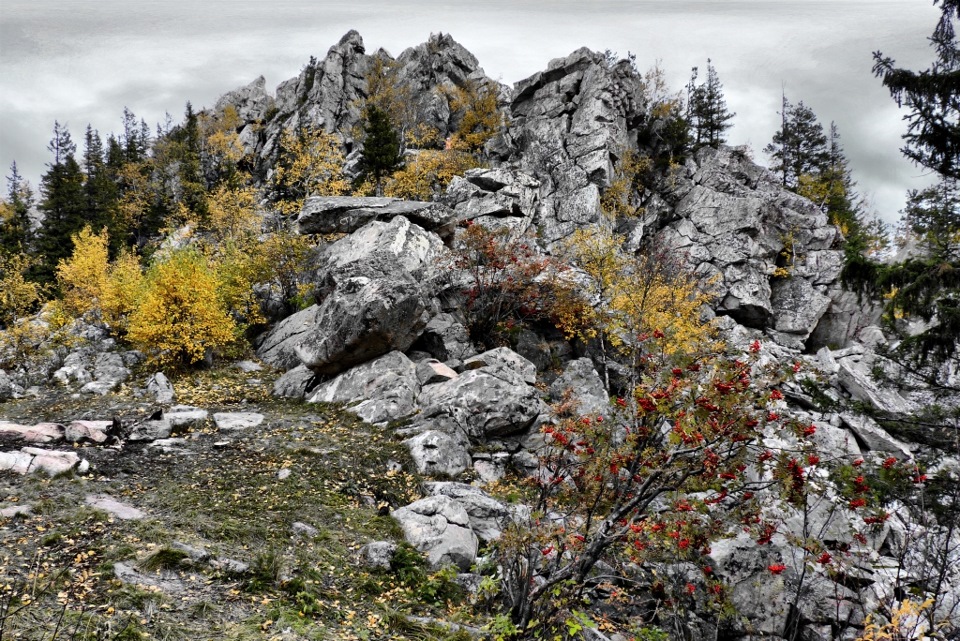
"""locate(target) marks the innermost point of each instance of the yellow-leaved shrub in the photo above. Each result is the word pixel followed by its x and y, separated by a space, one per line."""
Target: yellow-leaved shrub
pixel 180 315
pixel 82 278
pixel 428 173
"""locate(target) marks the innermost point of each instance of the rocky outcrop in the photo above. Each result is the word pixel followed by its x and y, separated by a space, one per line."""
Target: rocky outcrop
pixel 568 125
pixel 768 254
pixel 347 214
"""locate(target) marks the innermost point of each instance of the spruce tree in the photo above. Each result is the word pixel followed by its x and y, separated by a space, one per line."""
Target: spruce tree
pixel 63 205
pixel 100 191
pixel 15 229
pixel 800 146
pixel 707 112
pixel 932 98
pixel 381 148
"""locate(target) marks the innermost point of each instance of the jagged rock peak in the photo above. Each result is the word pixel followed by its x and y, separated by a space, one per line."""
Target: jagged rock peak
pixel 353 39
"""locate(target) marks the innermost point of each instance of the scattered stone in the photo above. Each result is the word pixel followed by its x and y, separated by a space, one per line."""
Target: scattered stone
pixel 284 473
pixel 231 566
pixel 198 555
pixel 52 462
pixel 14 510
pixel 184 416
pixel 378 555
pixel 151 430
pixel 228 421
pixel 161 389
pixel 248 366
pixel 165 582
pixel 8 389
pixel 39 433
pixel 112 506
pixel 304 529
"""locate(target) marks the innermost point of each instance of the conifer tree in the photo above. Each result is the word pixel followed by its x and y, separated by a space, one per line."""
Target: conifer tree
pixel 15 228
pixel 381 148
pixel 932 97
pixel 707 112
pixel 100 191
pixel 800 146
pixel 63 205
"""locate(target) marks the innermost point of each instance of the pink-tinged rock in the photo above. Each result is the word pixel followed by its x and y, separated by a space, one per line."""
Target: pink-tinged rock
pixel 17 462
pixel 51 461
pixel 39 433
pixel 95 431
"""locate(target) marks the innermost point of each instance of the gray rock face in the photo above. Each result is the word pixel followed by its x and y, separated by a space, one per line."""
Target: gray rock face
pixel 769 251
pixel 278 346
pixel 874 437
pixel 439 527
pixel 384 389
pixel 250 102
pixel 481 405
pixel 567 124
pixel 854 376
pixel 346 214
pixel 295 383
pixel 504 363
pixel 492 196
pixel 446 339
pixel 582 379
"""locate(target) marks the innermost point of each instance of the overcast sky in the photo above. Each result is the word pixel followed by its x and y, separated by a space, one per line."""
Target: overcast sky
pixel 83 61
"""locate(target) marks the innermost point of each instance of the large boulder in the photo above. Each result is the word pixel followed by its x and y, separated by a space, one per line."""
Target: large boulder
pixel 367 313
pixel 439 527
pixel 278 346
pixel 482 405
pixel 488 516
pixel 384 389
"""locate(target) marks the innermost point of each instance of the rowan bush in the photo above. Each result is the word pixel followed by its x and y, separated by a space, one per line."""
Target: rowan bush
pixel 679 462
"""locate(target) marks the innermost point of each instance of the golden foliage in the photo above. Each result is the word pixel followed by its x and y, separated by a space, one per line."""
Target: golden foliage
pixel 180 315
pixel 618 199
pixel 639 295
pixel 222 142
pixel 18 296
pixel 82 278
pixel 385 92
pixel 905 623
pixel 310 164
pixel 232 212
pixel 121 290
pixel 428 173
pixel 236 268
pixel 481 118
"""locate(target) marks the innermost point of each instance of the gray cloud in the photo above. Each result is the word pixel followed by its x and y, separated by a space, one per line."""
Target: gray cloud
pixel 81 62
